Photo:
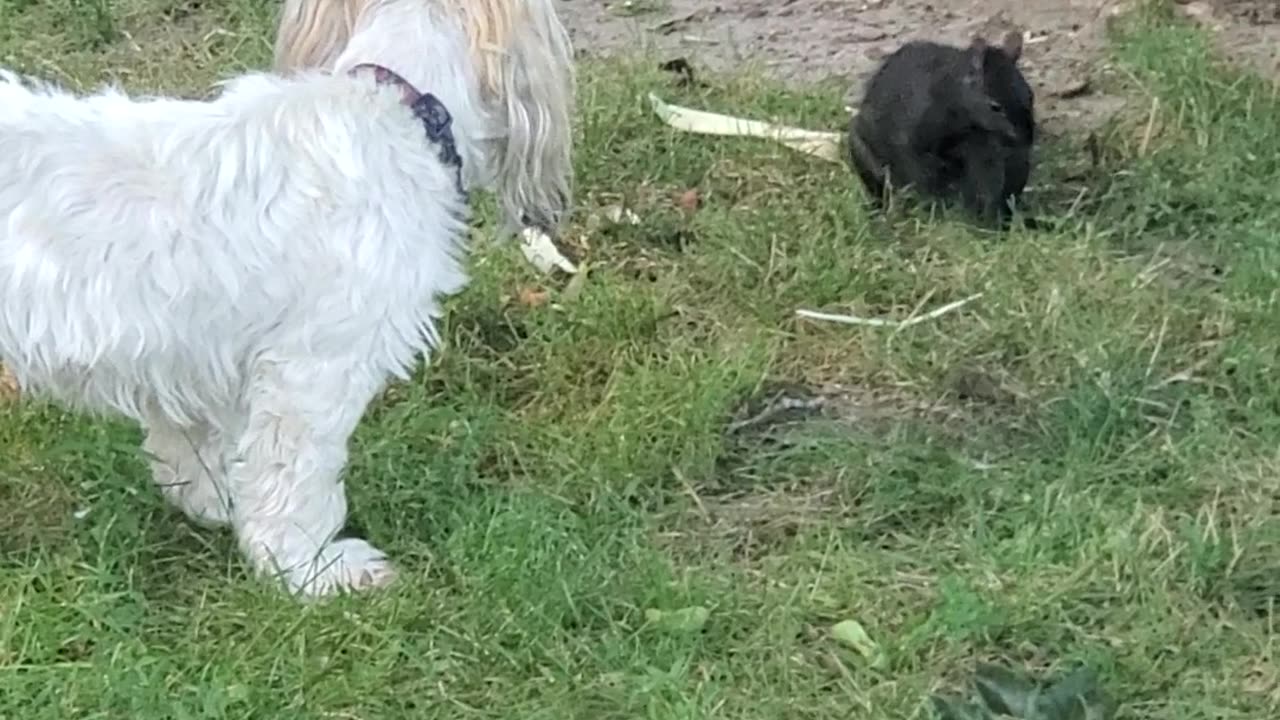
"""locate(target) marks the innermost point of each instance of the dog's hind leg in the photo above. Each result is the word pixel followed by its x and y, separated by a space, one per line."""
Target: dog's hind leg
pixel 187 465
pixel 288 498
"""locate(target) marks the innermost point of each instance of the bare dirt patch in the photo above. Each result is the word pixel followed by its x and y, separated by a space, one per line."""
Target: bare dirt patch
pixel 1247 31
pixel 765 492
pixel 808 40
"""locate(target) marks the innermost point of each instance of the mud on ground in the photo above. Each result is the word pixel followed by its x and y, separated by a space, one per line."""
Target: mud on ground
pixel 806 40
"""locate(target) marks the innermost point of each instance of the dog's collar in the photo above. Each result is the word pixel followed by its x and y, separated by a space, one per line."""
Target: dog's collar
pixel 386 76
pixel 426 107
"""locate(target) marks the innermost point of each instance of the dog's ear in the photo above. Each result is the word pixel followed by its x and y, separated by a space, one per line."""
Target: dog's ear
pixel 534 79
pixel 313 33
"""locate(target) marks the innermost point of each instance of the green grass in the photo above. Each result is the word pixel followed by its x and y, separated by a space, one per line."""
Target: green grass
pixel 1080 466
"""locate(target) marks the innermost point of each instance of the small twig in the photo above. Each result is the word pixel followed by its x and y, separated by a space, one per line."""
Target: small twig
pixel 777 406
pixel 773 255
pixel 916 310
pixel 667 27
pixel 1151 272
pixel 216 32
pixel 1151 126
pixel 693 493
pixel 133 44
pixel 743 257
pixel 1183 376
pixel 1155 351
pixel 1075 204
pixel 883 322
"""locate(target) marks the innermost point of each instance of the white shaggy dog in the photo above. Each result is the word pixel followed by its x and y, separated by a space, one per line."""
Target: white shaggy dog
pixel 241 276
pixel 504 68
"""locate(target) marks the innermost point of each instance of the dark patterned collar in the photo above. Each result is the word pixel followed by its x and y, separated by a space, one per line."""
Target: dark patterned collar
pixel 426 107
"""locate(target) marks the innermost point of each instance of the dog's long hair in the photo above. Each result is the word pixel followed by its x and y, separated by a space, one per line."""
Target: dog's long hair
pixel 240 275
pixel 520 65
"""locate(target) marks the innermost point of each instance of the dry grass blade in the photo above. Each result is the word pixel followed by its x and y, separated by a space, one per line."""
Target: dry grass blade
pixel 824 145
pixel 885 322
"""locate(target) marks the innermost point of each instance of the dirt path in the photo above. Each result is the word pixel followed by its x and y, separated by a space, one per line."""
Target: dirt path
pixel 804 40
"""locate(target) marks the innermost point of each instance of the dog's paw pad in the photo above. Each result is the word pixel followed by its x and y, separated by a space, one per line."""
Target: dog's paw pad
pixel 349 565
pixel 202 504
pixel 377 577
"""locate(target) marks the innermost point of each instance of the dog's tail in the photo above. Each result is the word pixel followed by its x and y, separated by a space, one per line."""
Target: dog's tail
pixel 525 59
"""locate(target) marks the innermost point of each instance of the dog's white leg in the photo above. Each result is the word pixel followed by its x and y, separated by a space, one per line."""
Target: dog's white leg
pixel 288 498
pixel 187 465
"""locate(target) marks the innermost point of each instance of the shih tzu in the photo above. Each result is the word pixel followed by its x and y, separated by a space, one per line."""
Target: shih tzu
pixel 242 276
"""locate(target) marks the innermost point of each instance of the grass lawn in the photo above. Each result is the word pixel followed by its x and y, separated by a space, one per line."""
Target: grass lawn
pixel 1080 466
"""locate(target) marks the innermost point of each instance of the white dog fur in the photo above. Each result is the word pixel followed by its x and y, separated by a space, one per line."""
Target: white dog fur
pixel 504 68
pixel 241 276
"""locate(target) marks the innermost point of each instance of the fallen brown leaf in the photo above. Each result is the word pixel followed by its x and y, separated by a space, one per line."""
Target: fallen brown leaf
pixel 689 200
pixel 8 385
pixel 532 297
pixel 1074 89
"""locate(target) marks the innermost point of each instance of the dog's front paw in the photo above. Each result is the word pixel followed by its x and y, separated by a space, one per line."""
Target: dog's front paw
pixel 201 500
pixel 344 565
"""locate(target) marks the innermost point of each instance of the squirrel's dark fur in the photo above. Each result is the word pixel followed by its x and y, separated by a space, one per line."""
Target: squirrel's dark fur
pixel 948 122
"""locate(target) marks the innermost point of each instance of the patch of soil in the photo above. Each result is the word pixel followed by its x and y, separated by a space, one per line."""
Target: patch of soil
pixel 974 397
pixel 1252 12
pixel 1247 31
pixel 747 509
pixel 808 40
pixel 34 515
pixel 749 525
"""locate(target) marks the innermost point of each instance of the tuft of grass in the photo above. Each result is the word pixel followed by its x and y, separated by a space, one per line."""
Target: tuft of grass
pixel 1080 466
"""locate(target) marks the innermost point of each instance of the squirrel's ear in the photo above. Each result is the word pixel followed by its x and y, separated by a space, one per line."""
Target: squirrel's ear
pixel 977 54
pixel 1012 44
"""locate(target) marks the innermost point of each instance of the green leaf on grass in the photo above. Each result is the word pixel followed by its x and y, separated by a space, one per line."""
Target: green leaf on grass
pixel 574 288
pixel 852 634
pixel 684 620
